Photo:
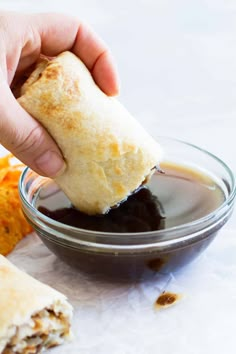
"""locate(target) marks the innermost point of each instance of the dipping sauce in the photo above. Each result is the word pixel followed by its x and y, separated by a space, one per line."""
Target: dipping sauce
pixel 140 212
pixel 178 196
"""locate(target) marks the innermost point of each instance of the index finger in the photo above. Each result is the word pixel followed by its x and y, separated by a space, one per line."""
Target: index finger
pixel 60 32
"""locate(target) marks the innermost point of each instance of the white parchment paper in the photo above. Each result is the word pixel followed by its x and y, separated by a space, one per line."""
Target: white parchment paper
pixel 111 318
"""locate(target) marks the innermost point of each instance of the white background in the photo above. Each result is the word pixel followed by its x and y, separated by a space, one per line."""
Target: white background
pixel 177 64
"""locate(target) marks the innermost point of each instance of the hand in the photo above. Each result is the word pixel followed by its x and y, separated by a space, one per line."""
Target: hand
pixel 22 39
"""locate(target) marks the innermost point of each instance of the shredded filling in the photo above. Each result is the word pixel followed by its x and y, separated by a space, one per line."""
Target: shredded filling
pixel 46 329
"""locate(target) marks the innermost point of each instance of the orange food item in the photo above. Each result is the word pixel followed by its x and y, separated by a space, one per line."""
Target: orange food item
pixel 13 225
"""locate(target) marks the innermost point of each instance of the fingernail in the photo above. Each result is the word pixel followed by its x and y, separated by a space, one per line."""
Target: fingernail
pixel 50 164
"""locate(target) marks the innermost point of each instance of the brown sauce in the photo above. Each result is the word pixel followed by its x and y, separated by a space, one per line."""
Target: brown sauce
pixel 167 299
pixel 179 196
pixel 140 212
pixel 157 264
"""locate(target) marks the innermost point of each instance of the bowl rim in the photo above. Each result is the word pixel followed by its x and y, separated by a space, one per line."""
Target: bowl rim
pixel 174 229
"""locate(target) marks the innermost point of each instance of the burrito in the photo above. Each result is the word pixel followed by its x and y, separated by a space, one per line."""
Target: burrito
pixel 33 316
pixel 107 152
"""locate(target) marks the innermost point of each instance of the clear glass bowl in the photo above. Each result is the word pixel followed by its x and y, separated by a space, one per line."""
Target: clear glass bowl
pixel 133 255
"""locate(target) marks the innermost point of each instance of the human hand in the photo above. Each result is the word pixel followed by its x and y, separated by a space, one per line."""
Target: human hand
pixel 22 39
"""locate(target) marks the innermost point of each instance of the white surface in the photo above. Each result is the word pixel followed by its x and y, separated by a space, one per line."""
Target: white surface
pixel 121 318
pixel 177 63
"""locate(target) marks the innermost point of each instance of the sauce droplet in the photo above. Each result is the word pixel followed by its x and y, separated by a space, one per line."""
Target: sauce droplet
pixel 156 264
pixel 167 299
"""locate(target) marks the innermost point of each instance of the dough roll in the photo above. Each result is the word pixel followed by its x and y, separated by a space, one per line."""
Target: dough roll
pixel 107 152
pixel 33 316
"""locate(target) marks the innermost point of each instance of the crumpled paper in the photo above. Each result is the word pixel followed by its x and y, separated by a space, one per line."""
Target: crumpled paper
pixel 120 318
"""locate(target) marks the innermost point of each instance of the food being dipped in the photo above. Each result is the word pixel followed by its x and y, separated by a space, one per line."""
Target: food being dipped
pixel 107 152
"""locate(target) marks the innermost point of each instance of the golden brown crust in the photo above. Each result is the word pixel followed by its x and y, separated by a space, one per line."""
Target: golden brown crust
pixel 22 298
pixel 108 153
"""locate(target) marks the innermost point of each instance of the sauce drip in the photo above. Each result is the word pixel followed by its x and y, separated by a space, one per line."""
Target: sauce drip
pixel 167 299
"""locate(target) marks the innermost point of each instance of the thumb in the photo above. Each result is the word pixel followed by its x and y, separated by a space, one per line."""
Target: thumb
pixel 26 138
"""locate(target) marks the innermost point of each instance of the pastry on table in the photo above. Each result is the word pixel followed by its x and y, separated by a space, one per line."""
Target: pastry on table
pixel 33 316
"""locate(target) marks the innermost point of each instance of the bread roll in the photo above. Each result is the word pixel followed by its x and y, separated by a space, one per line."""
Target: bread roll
pixel 107 152
pixel 33 316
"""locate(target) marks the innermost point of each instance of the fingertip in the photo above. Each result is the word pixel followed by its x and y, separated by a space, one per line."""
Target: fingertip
pixel 114 89
pixel 105 74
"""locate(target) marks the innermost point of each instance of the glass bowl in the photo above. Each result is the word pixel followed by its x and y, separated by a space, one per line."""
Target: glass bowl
pixel 132 255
